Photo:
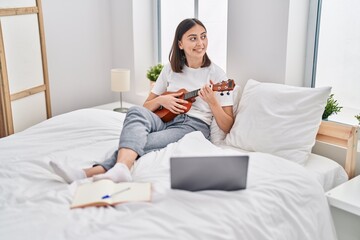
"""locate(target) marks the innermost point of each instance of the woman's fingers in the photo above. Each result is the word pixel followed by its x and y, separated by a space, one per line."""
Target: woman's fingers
pixel 174 103
pixel 178 108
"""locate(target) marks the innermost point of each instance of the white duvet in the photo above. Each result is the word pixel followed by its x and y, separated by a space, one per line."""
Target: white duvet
pixel 282 200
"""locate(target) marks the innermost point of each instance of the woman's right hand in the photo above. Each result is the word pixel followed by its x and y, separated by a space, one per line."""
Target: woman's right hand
pixel 173 102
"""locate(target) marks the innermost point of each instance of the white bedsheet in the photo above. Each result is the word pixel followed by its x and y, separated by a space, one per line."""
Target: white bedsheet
pixel 282 200
pixel 328 172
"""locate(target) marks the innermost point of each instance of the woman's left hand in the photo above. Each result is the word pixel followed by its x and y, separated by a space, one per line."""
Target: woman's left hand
pixel 207 94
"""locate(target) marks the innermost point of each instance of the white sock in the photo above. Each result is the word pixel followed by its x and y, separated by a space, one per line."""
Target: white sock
pixel 119 173
pixel 67 173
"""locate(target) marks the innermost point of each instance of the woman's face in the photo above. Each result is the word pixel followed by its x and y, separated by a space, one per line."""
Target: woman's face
pixel 194 43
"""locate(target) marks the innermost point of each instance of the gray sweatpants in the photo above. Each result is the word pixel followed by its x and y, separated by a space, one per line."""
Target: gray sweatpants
pixel 143 131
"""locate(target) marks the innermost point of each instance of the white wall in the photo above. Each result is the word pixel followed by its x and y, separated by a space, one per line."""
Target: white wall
pixel 257 34
pixel 296 43
pixel 85 39
pixel 144 51
pixel 78 43
pixel 266 40
pixel 133 43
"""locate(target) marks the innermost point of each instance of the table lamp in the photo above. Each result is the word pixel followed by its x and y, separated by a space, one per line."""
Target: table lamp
pixel 120 82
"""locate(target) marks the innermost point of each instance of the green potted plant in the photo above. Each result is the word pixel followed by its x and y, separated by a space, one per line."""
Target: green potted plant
pixel 332 107
pixel 153 73
pixel 358 117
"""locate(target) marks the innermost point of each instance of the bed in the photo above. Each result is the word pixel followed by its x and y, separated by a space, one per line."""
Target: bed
pixel 283 200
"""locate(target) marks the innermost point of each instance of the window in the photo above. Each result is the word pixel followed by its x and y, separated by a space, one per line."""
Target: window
pixel 337 61
pixel 213 13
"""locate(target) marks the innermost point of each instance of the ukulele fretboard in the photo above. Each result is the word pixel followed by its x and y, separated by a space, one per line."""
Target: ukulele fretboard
pixel 191 94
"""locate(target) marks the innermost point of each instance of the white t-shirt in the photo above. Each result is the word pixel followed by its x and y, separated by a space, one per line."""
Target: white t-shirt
pixel 192 79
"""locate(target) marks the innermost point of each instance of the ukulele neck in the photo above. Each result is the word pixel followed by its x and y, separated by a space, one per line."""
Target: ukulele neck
pixel 193 94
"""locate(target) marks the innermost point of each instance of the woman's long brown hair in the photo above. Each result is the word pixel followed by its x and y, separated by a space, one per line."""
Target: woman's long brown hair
pixel 177 56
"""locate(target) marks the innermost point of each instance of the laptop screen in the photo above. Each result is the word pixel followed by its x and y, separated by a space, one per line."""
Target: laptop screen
pixel 227 173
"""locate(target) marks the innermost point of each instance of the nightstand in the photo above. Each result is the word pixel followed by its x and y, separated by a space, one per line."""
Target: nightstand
pixel 344 202
pixel 113 105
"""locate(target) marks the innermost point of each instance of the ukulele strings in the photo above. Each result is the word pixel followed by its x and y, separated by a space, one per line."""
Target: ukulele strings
pixel 191 94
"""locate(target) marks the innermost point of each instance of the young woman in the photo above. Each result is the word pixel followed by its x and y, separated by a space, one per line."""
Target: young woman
pixel 143 131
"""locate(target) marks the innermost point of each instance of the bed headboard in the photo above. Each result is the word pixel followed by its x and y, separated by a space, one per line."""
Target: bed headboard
pixel 342 135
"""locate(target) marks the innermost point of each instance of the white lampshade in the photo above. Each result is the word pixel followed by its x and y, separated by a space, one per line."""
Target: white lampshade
pixel 120 80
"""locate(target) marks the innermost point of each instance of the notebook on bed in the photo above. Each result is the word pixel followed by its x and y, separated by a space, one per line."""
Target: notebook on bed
pixel 228 173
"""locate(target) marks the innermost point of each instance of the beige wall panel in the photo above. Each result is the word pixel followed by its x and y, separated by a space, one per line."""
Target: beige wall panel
pixel 22 52
pixel 24 113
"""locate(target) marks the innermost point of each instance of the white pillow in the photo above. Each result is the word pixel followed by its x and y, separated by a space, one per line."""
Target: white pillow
pixel 278 119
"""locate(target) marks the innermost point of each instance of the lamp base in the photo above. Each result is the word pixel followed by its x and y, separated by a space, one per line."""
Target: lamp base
pixel 122 110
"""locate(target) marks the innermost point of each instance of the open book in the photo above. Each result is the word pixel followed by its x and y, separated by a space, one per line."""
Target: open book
pixel 107 193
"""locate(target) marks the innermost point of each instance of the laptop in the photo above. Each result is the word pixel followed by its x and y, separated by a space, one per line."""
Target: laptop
pixel 227 173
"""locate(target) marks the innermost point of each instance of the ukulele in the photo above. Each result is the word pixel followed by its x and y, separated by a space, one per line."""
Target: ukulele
pixel 166 115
